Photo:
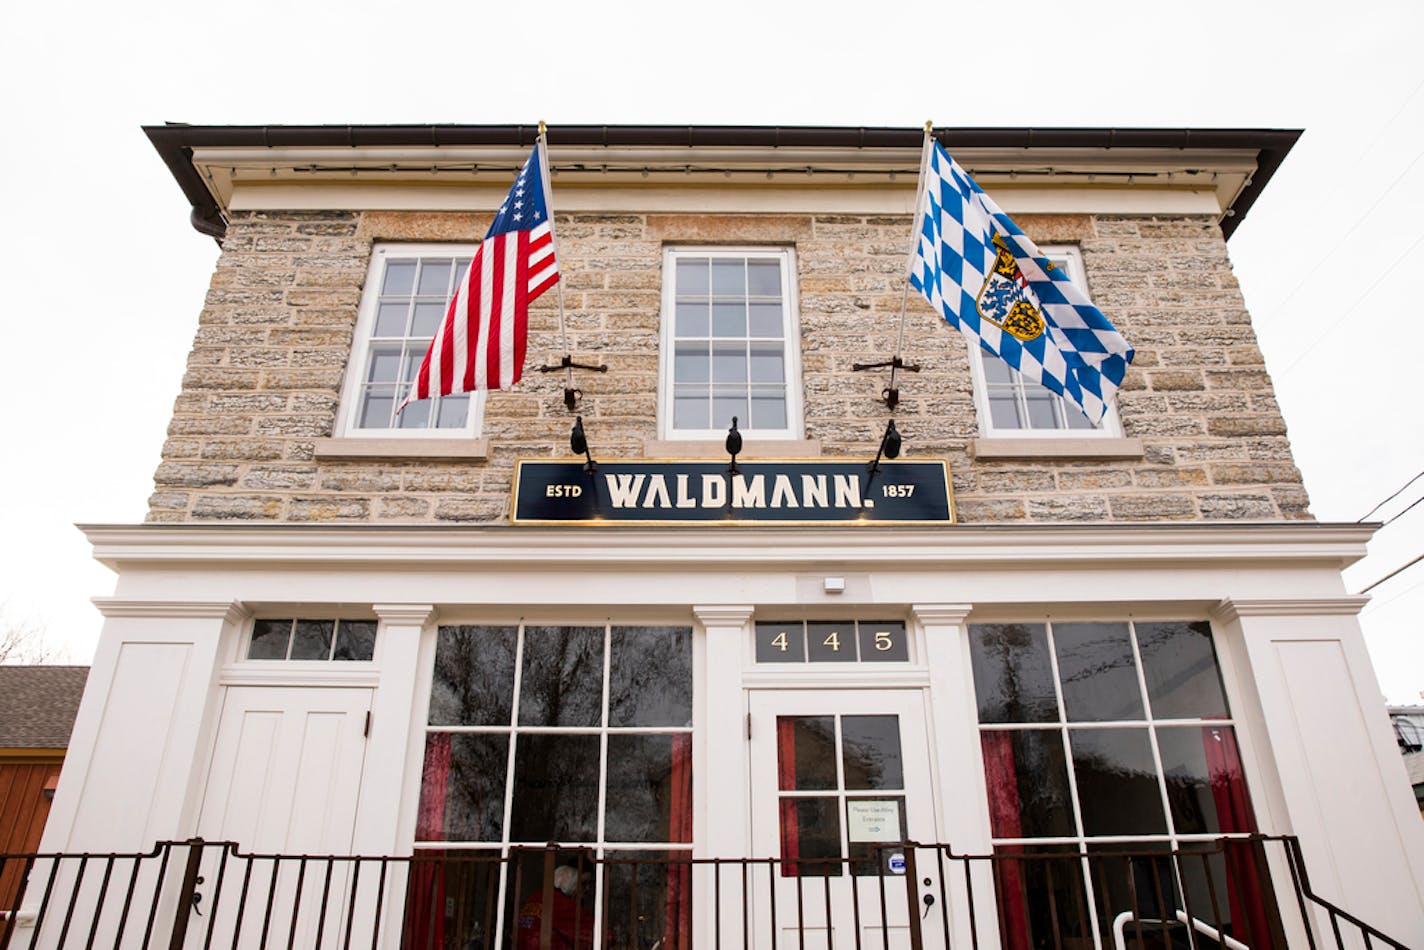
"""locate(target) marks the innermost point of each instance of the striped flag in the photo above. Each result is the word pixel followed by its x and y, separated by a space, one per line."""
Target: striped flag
pixel 482 340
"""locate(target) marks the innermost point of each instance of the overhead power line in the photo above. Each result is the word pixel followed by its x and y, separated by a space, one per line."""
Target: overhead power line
pixel 1396 516
pixel 1417 476
pixel 1393 573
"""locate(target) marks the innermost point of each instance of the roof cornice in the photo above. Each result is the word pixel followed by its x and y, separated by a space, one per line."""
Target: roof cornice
pixel 176 143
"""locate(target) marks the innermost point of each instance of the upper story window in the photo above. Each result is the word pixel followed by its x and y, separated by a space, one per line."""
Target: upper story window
pixel 1013 407
pixel 407 293
pixel 730 343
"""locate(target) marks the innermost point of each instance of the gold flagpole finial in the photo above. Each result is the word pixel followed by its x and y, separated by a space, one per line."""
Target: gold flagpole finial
pixel 542 127
pixel 929 127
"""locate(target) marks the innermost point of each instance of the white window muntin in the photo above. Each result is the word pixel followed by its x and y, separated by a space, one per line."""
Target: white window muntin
pixel 1011 407
pixel 760 350
pixel 390 343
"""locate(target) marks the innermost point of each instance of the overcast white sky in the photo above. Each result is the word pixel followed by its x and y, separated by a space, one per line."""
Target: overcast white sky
pixel 104 278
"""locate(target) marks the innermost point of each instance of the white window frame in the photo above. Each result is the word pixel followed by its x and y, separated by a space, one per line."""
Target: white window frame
pixel 791 327
pixel 1071 260
pixel 350 406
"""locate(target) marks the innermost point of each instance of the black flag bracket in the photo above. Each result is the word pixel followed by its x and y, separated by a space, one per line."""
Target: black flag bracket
pixel 890 395
pixel 571 395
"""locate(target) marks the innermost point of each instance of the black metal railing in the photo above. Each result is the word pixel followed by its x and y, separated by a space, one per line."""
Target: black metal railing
pixel 1250 892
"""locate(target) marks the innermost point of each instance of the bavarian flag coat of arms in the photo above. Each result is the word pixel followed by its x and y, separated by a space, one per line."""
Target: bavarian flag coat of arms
pixel 989 280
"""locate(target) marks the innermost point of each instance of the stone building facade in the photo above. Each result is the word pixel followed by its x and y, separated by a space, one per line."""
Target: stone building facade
pixel 249 434
pixel 1125 654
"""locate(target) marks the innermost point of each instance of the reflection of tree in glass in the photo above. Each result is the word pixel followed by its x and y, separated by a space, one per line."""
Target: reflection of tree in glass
pixel 475 804
pixel 1098 672
pixel 474 676
pixel 650 676
pixel 1012 674
pixel 562 683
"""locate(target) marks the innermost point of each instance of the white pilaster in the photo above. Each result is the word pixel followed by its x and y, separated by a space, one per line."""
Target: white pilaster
pixel 1325 750
pixel 396 728
pixel 142 739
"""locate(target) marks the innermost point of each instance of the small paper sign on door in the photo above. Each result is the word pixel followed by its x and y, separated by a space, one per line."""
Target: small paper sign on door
pixel 873 820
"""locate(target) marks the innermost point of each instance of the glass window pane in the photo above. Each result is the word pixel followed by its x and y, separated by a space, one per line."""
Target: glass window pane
pixel 995 369
pixel 650 676
pixel 876 830
pixel 765 320
pixel 1004 411
pixel 725 407
pixel 414 358
pixel 454 412
pixel 269 639
pixel 1205 785
pixel 376 410
pixel 647 902
pixel 649 795
pixel 426 321
pixel 882 641
pixel 764 278
pixel 691 412
pixel 691 319
pixel 806 752
pixel 461 266
pixel 768 412
pixel 1117 782
pixel 830 642
pixel 1013 677
pixel 355 640
pixel 416 415
pixel 729 363
pixel 311 639
pixel 692 277
pixel 780 642
pixel 1098 673
pixel 434 278
pixel 810 837
pixel 729 318
pixel 1027 776
pixel 473 683
pixel 768 363
pixel 1040 411
pixel 462 788
pixel 870 752
pixel 1179 664
pixel 385 365
pixel 1074 417
pixel 400 278
pixel 691 364
pixel 555 788
pixel 729 277
pixel 1043 901
pixel 562 683
pixel 390 319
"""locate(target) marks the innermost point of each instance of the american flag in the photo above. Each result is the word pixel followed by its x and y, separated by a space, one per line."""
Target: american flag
pixel 482 340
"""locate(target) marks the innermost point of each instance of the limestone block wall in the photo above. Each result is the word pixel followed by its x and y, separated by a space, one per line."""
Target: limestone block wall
pixel 264 377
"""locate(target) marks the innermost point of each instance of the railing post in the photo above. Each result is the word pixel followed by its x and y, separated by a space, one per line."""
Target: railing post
pixel 912 903
pixel 179 932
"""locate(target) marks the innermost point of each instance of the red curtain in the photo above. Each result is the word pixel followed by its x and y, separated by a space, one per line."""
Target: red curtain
pixel 677 929
pixel 786 780
pixel 1245 895
pixel 425 897
pixel 1001 777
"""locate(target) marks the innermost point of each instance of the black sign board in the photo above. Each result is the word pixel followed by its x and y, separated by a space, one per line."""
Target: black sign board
pixel 761 492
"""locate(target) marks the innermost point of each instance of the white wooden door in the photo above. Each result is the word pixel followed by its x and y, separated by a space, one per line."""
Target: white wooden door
pixel 840 781
pixel 285 779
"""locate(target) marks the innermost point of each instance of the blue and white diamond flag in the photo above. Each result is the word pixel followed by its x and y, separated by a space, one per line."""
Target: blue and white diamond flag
pixel 983 274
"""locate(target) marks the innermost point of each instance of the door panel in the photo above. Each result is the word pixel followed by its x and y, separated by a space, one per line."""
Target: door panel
pixel 285 779
pixel 840 782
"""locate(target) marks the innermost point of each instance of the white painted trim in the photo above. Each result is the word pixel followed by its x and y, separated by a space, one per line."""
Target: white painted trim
pixel 701 547
pixel 230 611
pixel 405 615
pixel 288 673
pixel 1233 609
pixel 1092 447
pixel 752 448
pixel 346 426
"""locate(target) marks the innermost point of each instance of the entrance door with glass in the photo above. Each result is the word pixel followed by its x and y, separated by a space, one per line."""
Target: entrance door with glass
pixel 841 781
